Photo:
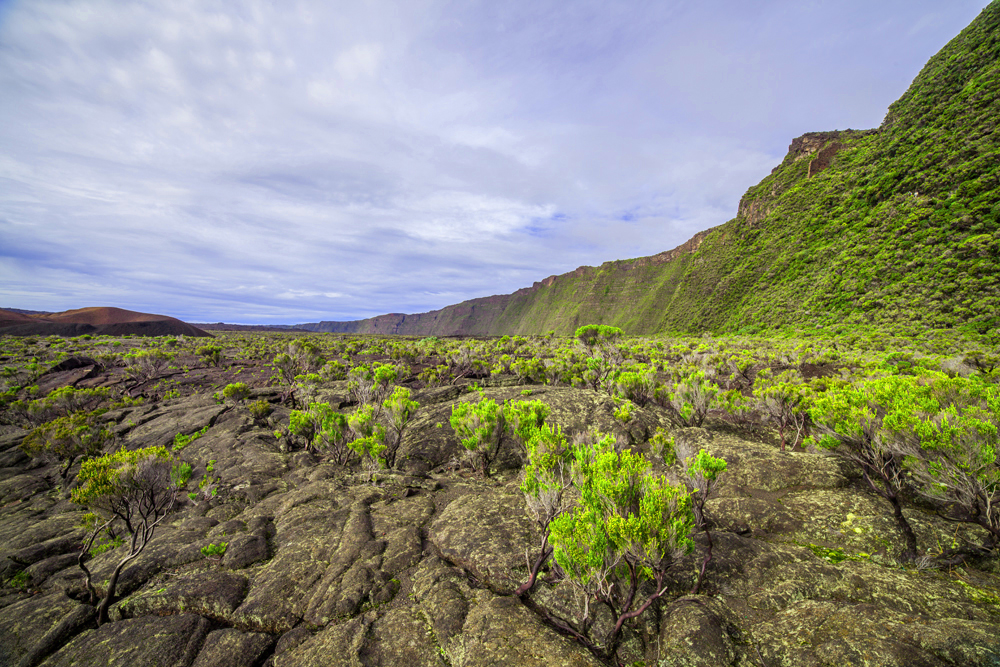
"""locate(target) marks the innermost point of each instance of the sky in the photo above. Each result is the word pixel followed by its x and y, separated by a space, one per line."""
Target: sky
pixel 303 160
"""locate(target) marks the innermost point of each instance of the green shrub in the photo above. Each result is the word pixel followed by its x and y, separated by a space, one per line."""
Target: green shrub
pixel 61 402
pixel 784 399
pixel 523 419
pixel 369 438
pixel 637 386
pixel 144 365
pixel 20 580
pixel 661 445
pixel 180 474
pixel 850 422
pixel 333 436
pixel 260 410
pixel 128 489
pixel 479 427
pixel 545 484
pixel 212 354
pixel 236 392
pixel 528 369
pixel 689 397
pixel 948 432
pixel 68 438
pixel 397 410
pixel 215 550
pixel 304 423
pixel 628 526
pixel 181 441
pixel 702 472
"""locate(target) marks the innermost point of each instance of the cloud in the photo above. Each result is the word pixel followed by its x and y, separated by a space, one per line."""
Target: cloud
pixel 258 162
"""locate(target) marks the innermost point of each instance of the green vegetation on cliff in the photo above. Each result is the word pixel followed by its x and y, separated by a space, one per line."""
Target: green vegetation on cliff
pixel 883 228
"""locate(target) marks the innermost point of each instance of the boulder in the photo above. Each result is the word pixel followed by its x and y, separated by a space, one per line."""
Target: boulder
pixel 152 641
pixel 229 647
pixel 487 531
pixel 24 624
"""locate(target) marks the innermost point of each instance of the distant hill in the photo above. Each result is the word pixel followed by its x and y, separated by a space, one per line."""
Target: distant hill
pixel 95 321
pixel 222 326
pixel 897 225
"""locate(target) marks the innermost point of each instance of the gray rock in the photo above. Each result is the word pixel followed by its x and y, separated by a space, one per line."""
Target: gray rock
pixel 43 569
pixel 80 617
pixel 695 632
pixel 501 632
pixel 151 641
pixel 209 593
pixel 244 550
pixel 160 426
pixel 233 648
pixel 22 487
pixel 487 531
pixel 401 638
pixel 337 645
pixel 24 624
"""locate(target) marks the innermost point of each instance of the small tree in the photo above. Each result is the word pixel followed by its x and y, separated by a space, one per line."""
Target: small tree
pixel 947 431
pixel 285 368
pixel 396 411
pixel 143 365
pixel 307 355
pixel 131 492
pixel 305 423
pixel 333 436
pixel 689 396
pixel 599 339
pixel 601 344
pixel 638 386
pixel 370 385
pixel 702 471
pixel 528 369
pixel 236 392
pixel 69 438
pixel 480 428
pixel 523 419
pixel 212 354
pixel 59 403
pixel 628 526
pixel 850 421
pixel 546 482
pixel 463 362
pixel 260 410
pixel 369 438
pixel 784 399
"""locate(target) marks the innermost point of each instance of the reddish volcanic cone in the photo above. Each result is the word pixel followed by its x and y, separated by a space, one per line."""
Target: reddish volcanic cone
pixel 103 316
pixel 98 321
pixel 10 318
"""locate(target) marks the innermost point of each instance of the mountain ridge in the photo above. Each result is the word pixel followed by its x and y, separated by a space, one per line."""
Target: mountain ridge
pixel 894 226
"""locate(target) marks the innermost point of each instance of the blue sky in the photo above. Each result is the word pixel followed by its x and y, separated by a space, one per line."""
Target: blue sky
pixel 304 160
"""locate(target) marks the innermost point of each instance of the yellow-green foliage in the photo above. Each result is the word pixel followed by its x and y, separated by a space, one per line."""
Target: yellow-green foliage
pixel 116 477
pixel 66 438
pixel 479 427
pixel 628 525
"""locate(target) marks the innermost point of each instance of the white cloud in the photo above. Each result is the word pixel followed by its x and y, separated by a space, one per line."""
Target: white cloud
pixel 361 60
pixel 329 160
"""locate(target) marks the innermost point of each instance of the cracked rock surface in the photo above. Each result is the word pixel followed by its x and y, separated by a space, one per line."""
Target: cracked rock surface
pixel 325 567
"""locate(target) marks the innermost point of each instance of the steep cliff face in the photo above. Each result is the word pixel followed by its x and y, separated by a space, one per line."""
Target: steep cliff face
pixel 625 293
pixel 854 227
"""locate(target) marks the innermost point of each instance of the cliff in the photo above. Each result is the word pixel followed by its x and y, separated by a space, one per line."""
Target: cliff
pixel 876 227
